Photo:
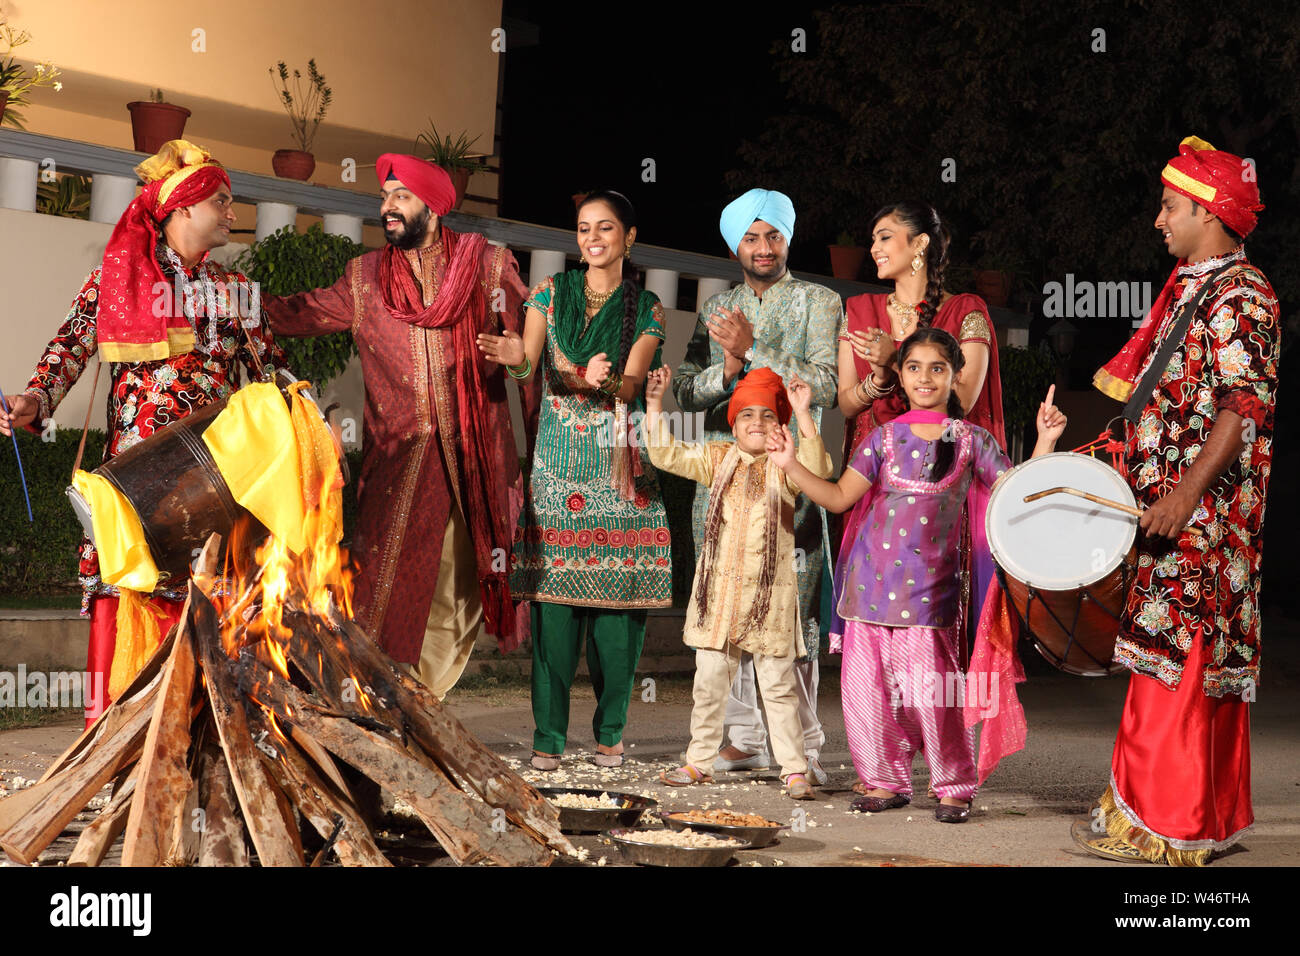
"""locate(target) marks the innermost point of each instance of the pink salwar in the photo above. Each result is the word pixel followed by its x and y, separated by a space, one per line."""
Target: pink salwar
pixel 903 691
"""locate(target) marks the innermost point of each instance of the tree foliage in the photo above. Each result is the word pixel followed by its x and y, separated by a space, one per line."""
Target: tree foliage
pixel 1059 118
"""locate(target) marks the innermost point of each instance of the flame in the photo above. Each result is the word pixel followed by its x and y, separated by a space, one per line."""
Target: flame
pixel 267 579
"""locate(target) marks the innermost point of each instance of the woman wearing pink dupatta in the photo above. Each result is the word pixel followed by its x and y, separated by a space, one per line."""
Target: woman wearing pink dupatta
pixel 910 246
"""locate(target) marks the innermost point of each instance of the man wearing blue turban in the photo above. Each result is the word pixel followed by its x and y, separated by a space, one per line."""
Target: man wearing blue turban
pixel 771 320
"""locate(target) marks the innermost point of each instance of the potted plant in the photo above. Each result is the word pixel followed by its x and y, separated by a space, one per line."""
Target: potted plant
pixel 451 155
pixel 155 121
pixel 846 257
pixel 15 81
pixel 306 105
pixel 68 197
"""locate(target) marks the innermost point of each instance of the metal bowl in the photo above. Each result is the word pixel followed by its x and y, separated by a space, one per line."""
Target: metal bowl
pixel 596 819
pixel 659 854
pixel 756 837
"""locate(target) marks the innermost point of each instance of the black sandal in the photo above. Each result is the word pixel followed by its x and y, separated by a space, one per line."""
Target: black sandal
pixel 870 804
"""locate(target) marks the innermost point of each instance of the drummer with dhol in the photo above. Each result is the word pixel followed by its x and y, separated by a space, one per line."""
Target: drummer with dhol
pixel 1199 378
pixel 169 356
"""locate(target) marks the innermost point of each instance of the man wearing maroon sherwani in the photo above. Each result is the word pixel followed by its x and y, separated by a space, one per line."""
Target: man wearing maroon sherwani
pixel 440 488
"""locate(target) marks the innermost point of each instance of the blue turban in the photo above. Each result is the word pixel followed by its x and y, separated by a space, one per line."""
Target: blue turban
pixel 766 204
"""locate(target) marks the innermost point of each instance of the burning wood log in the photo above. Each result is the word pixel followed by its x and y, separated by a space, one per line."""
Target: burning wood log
pixel 221 829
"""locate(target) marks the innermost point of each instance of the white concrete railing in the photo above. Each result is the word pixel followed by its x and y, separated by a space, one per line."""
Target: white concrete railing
pixel 23 155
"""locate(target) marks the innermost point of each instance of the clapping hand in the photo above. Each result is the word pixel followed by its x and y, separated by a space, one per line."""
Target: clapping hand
pixel 799 393
pixel 507 349
pixel 598 368
pixel 730 329
pixel 656 384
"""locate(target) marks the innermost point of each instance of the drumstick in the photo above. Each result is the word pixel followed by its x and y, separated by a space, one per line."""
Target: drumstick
pixel 1135 512
pixel 21 477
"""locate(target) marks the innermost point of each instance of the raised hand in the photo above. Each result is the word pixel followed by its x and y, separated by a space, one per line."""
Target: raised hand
pixel 656 384
pixel 507 349
pixel 800 394
pixel 873 345
pixel 598 369
pixel 780 447
pixel 22 410
pixel 1051 423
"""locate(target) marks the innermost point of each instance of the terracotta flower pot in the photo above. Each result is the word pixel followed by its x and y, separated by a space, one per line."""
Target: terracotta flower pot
pixel 293 164
pixel 153 124
pixel 846 261
pixel 460 180
pixel 4 98
pixel 993 287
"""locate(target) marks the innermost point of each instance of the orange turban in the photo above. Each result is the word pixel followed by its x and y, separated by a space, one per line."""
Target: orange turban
pixel 1221 182
pixel 763 387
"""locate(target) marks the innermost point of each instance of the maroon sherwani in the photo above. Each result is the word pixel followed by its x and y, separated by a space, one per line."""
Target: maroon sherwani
pixel 411 470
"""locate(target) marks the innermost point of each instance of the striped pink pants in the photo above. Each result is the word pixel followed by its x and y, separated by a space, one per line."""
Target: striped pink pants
pixel 903 690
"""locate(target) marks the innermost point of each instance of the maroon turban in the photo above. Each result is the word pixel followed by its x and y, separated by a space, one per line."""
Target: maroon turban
pixel 429 182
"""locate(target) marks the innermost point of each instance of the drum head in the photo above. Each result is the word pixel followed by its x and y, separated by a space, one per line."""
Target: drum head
pixel 82 510
pixel 1061 541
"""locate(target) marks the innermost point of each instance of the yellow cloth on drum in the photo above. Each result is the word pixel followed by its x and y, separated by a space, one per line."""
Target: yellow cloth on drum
pixel 124 557
pixel 138 636
pixel 253 445
pixel 318 463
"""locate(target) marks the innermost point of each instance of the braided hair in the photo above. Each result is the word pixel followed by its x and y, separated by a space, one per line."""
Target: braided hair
pixel 621 206
pixel 919 217
pixel 951 350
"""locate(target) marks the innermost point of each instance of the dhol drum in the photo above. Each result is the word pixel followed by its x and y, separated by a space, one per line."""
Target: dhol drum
pixel 172 481
pixel 1065 562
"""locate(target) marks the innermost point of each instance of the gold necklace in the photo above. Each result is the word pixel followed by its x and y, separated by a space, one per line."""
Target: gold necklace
pixel 597 300
pixel 907 313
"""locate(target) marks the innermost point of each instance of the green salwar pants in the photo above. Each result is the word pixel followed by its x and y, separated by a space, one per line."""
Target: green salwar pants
pixel 613 639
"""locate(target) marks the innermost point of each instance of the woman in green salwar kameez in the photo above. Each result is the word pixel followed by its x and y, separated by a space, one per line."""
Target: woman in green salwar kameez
pixel 592 548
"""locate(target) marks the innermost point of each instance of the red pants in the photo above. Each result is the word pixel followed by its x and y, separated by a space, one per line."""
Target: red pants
pixel 1181 767
pixel 103 639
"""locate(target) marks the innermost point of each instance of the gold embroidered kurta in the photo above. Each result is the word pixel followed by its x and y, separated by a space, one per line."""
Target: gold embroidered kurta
pixel 734 579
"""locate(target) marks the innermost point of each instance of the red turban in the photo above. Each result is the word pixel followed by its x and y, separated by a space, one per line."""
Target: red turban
pixel 431 183
pixel 763 387
pixel 1221 182
pixel 128 326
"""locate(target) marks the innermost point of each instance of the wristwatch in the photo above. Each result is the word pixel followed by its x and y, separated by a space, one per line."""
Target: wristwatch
pixel 749 355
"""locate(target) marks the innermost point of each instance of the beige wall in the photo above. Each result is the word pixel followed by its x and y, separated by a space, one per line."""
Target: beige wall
pixel 391 67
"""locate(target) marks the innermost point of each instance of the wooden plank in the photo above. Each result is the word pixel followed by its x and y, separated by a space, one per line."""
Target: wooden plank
pixel 163 779
pixel 94 843
pixel 318 801
pixel 266 811
pixel 466 828
pixel 221 826
pixel 113 716
pixel 448 742
pixel 51 805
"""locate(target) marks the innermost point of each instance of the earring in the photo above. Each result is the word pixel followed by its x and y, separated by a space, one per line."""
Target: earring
pixel 583 257
pixel 628 251
pixel 917 262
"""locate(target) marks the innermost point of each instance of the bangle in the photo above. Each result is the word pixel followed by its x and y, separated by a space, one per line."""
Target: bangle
pixel 522 370
pixel 612 385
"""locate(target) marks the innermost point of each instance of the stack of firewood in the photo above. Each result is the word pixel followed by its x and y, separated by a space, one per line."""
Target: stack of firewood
pixel 225 740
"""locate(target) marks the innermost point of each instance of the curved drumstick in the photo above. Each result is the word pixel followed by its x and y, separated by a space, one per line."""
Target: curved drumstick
pixel 21 477
pixel 1127 509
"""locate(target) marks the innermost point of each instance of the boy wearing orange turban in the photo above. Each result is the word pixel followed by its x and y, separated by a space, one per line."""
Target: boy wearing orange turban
pixel 745 597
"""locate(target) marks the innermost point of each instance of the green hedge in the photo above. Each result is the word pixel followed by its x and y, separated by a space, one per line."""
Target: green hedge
pixel 40 558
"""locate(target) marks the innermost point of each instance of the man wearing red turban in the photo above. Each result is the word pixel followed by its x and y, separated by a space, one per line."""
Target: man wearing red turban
pixel 1199 379
pixel 440 488
pixel 175 327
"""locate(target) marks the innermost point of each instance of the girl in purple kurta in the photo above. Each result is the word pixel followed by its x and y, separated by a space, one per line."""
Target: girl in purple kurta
pixel 897 583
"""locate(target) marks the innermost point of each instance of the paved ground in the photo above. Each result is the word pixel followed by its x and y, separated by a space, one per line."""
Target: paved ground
pixel 1023 814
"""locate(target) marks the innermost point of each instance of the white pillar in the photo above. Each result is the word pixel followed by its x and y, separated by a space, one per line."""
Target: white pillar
pixel 18 184
pixel 498 243
pixel 274 215
pixel 335 223
pixel 707 289
pixel 542 264
pixel 109 197
pixel 1019 338
pixel 663 283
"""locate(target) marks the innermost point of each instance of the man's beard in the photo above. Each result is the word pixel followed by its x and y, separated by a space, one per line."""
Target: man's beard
pixel 775 270
pixel 413 232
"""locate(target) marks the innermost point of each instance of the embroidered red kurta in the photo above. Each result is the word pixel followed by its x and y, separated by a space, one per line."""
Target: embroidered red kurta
pixel 145 396
pixel 410 472
pixel 1228 362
